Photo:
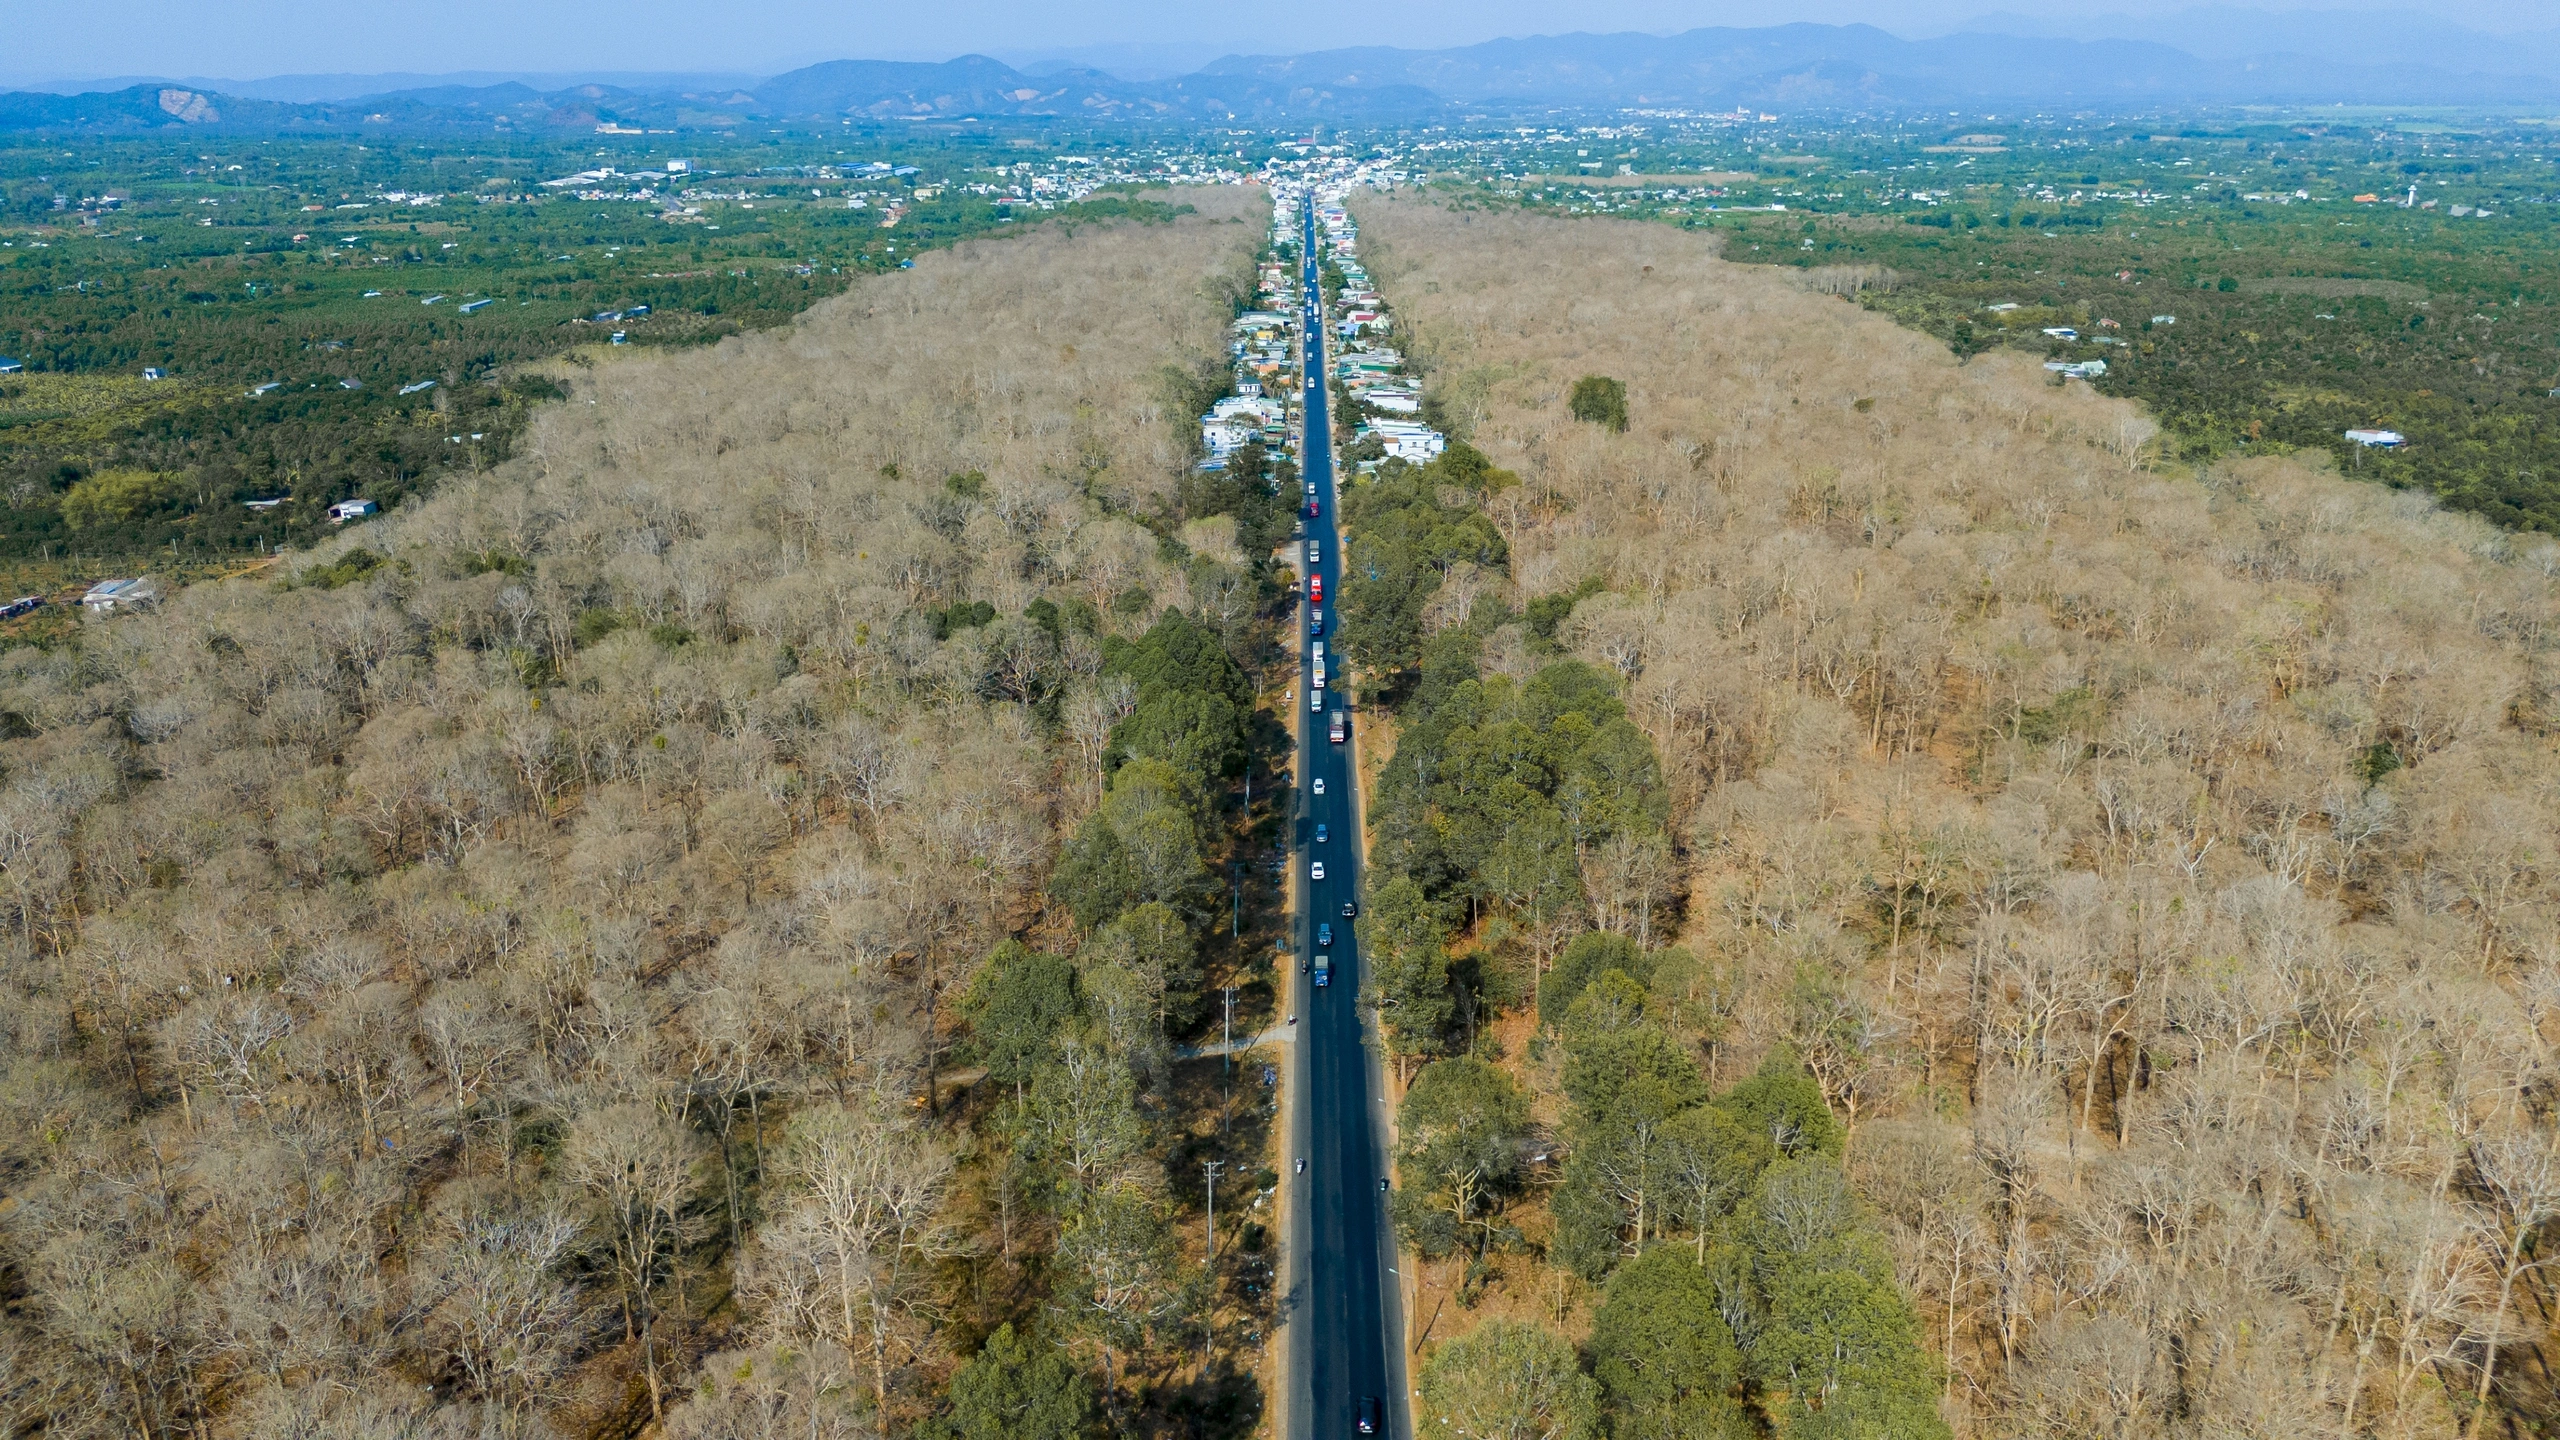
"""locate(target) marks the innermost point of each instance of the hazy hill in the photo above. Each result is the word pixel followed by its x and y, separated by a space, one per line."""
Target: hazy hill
pixel 970 86
pixel 1858 65
pixel 2218 56
pixel 976 85
pixel 1812 64
pixel 2351 37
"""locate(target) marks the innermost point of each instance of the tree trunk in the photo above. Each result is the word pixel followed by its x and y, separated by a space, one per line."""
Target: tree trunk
pixel 2498 1322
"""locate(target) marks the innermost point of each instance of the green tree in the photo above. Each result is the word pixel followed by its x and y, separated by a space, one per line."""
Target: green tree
pixel 1194 732
pixel 1404 541
pixel 1611 1069
pixel 1600 400
pixel 1016 1388
pixel 1665 1359
pixel 1118 1272
pixel 1461 1126
pixel 1532 870
pixel 1842 1344
pixel 1588 1220
pixel 1141 844
pixel 1175 665
pixel 112 497
pixel 1508 1380
pixel 1628 1080
pixel 1153 947
pixel 1785 1104
pixel 1081 1120
pixel 1016 1007
pixel 1096 877
pixel 1408 957
pixel 1590 953
pixel 1710 1162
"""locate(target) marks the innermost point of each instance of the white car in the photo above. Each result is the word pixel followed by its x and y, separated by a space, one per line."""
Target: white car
pixel 1319 784
pixel 1316 871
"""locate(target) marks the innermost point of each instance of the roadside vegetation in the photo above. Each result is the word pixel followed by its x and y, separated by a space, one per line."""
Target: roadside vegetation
pixel 2100 982
pixel 692 928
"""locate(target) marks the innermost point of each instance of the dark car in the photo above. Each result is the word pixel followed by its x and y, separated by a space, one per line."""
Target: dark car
pixel 1350 908
pixel 1324 935
pixel 1368 1422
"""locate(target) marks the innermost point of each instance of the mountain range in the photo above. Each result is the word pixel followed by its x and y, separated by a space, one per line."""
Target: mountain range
pixel 1795 68
pixel 2347 37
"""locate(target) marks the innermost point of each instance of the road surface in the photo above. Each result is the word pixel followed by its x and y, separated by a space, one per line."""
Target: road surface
pixel 1343 1303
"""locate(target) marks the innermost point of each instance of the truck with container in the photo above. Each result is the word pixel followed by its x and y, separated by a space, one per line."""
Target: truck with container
pixel 1324 969
pixel 1340 727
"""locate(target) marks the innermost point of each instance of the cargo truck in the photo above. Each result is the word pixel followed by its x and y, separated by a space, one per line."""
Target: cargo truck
pixel 1324 970
pixel 1341 727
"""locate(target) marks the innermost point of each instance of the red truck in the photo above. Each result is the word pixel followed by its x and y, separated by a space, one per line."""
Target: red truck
pixel 1340 727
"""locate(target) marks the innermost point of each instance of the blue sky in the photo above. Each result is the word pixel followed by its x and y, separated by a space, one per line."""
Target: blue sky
pixel 53 41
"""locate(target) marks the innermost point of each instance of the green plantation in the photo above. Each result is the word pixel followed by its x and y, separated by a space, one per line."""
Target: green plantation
pixel 325 320
pixel 2289 328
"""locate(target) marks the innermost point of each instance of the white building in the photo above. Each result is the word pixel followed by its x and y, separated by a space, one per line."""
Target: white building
pixel 108 596
pixel 1410 442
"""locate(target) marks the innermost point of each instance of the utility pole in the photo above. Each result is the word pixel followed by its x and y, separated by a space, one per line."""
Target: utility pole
pixel 1213 1167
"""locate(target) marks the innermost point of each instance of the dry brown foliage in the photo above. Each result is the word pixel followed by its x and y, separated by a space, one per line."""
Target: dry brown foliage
pixel 2155 868
pixel 382 962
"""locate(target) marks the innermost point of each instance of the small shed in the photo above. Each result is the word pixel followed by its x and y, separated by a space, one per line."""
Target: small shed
pixel 109 596
pixel 346 510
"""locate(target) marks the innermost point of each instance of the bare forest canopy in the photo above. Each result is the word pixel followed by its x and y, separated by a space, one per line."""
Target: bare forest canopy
pixel 506 977
pixel 2150 868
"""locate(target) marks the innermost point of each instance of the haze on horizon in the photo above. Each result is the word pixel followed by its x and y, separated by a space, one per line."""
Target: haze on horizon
pixel 251 39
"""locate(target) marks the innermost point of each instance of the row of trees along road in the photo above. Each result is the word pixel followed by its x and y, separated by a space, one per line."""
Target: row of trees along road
pixel 1521 857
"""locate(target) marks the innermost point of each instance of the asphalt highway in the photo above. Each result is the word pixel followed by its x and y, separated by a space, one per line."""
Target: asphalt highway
pixel 1342 1305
